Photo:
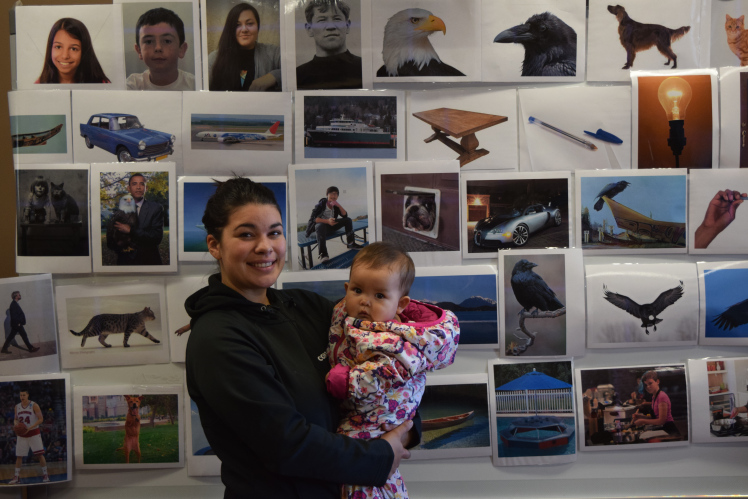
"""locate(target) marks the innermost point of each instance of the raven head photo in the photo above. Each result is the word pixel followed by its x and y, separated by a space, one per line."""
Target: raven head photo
pixel 407 50
pixel 419 212
pixel 610 190
pixel 531 291
pixel 550 45
pixel 648 312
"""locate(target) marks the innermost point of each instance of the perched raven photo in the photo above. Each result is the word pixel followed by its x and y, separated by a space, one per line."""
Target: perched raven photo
pixel 734 316
pixel 530 289
pixel 407 50
pixel 611 190
pixel 646 313
pixel 550 45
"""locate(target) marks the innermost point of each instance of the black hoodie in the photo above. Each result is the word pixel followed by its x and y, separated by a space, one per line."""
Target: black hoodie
pixel 256 374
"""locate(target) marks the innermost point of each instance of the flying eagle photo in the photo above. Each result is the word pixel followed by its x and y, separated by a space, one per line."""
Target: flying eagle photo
pixel 734 316
pixel 407 50
pixel 648 312
pixel 550 45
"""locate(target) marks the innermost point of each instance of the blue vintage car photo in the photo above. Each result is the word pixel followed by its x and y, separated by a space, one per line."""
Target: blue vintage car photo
pixel 514 226
pixel 124 136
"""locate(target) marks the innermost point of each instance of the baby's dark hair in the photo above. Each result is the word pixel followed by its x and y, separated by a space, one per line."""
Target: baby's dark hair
pixel 160 15
pixel 230 195
pixel 386 255
pixel 323 5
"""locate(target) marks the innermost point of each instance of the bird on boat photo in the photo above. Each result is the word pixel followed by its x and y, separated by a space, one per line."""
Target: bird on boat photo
pixel 648 312
pixel 550 45
pixel 407 50
pixel 610 191
pixel 531 291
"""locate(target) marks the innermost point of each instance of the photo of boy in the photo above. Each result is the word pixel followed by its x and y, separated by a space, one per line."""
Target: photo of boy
pixel 160 44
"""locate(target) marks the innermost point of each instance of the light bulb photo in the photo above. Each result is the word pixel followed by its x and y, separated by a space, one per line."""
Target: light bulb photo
pixel 674 95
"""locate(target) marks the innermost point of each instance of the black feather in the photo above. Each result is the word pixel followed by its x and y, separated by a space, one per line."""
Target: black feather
pixel 433 68
pixel 531 290
pixel 646 313
pixel 735 316
pixel 550 45
pixel 610 191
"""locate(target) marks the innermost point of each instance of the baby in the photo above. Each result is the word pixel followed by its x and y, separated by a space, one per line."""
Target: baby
pixel 381 344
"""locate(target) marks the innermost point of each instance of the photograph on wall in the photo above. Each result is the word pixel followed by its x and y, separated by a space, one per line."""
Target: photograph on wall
pixel 532 407
pixel 194 193
pixel 719 399
pixel 577 128
pixel 162 45
pixel 40 127
pixel 484 120
pixel 632 212
pixel 201 459
pixel 349 125
pixel 642 305
pixel 128 427
pixel 178 289
pixel 542 284
pixel 729 46
pixel 454 417
pixel 514 210
pixel 132 216
pixel 52 231
pixel 718 223
pixel 733 94
pixel 124 323
pixel 59 45
pixel 637 35
pixel 723 296
pixel 243 134
pixel 331 210
pixel 330 45
pixel 30 339
pixel 230 30
pixel 541 41
pixel 622 407
pixel 418 209
pixel 37 424
pixel 148 131
pixel 468 291
pixel 676 125
pixel 410 41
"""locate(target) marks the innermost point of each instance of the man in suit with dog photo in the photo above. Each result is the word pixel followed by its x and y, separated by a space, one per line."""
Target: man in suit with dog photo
pixel 143 234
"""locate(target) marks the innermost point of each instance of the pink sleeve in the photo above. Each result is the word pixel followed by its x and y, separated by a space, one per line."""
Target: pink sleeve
pixel 337 381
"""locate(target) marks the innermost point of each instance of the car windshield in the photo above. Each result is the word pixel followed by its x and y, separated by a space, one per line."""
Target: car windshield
pixel 127 123
pixel 507 212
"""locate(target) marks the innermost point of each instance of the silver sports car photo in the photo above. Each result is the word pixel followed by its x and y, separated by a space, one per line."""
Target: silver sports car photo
pixel 515 226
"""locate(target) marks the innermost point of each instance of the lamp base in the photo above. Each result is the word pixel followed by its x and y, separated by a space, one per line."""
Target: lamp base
pixel 677 139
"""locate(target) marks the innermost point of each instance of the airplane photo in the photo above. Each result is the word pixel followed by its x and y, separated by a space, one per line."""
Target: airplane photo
pixel 236 137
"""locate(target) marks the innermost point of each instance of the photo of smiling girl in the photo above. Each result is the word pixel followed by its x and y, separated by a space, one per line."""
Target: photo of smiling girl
pixel 70 56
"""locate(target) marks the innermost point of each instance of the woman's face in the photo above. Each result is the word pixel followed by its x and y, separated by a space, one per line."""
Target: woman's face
pixel 66 55
pixel 246 30
pixel 652 385
pixel 252 250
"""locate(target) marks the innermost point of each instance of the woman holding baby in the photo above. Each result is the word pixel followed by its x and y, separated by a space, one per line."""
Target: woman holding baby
pixel 256 366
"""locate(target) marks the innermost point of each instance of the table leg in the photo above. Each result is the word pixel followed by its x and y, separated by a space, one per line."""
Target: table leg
pixel 470 146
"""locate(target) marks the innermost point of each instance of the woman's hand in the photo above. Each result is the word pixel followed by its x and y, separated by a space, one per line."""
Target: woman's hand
pixel 398 438
pixel 262 83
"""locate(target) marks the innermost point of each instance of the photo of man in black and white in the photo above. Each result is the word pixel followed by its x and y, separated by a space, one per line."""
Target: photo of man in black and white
pixel 17 321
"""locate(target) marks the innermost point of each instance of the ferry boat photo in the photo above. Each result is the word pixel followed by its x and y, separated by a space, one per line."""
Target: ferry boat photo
pixel 346 132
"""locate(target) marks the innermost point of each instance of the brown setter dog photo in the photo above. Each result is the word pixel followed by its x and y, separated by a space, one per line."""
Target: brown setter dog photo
pixel 636 36
pixel 132 427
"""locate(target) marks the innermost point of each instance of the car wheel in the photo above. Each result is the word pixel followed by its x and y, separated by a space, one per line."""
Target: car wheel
pixel 123 155
pixel 88 142
pixel 520 235
pixel 557 219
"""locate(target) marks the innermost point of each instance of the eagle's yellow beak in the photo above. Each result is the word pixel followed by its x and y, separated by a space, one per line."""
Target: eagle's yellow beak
pixel 432 23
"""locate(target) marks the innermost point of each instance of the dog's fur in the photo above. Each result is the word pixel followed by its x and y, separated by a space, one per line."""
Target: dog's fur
pixel 636 36
pixel 420 212
pixel 132 427
pixel 35 211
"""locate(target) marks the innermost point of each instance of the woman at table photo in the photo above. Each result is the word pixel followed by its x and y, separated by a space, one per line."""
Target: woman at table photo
pixel 661 405
pixel 256 366
pixel 241 63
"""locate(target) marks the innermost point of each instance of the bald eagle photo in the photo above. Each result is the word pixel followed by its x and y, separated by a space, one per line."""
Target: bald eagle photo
pixel 407 50
pixel 550 45
pixel 126 214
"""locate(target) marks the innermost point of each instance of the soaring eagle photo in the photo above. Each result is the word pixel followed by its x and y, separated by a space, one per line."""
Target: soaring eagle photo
pixel 407 50
pixel 647 312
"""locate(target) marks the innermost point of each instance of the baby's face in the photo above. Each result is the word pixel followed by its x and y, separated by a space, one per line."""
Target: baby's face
pixel 374 294
pixel 159 47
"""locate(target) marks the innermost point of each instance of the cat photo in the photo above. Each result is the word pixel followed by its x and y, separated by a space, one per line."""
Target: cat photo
pixel 729 42
pixel 112 325
pixel 737 40
pixel 64 205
